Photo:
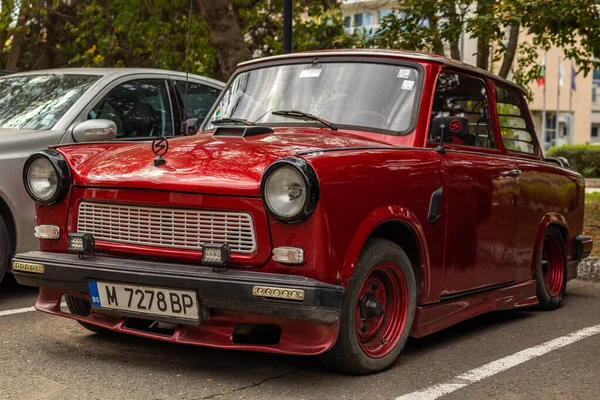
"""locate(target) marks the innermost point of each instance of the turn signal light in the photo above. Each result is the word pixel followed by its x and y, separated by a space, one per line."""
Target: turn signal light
pixel 51 232
pixel 288 255
pixel 278 293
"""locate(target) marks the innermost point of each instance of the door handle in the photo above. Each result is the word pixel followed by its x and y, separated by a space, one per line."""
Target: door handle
pixel 512 172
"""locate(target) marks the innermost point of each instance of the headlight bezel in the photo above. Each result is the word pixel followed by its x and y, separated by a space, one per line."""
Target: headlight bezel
pixel 63 175
pixel 311 183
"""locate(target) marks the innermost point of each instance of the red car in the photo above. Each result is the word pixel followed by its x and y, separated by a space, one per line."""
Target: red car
pixel 333 204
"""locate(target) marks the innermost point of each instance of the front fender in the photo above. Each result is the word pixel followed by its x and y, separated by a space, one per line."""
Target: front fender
pixel 377 217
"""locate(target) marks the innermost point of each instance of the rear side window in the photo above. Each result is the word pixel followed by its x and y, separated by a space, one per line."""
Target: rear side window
pixel 515 128
pixel 200 99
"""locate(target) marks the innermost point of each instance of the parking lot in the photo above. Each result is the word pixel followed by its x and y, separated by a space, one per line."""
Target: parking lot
pixel 45 357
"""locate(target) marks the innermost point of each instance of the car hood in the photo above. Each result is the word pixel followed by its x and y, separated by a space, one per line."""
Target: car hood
pixel 199 164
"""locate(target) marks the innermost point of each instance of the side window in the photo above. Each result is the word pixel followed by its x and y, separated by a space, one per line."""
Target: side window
pixel 200 99
pixel 458 95
pixel 139 108
pixel 517 133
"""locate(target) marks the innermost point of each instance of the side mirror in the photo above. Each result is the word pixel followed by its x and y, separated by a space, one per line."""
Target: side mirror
pixel 95 130
pixel 447 127
pixel 192 126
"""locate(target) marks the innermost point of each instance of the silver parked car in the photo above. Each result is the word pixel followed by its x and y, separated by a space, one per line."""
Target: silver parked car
pixel 43 108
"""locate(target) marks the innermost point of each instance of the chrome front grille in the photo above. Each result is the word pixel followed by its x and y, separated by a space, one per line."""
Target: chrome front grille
pixel 167 227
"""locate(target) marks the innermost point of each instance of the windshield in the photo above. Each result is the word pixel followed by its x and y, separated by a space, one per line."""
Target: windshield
pixel 38 101
pixel 365 95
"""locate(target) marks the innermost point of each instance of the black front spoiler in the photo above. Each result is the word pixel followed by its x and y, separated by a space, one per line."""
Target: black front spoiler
pixel 229 290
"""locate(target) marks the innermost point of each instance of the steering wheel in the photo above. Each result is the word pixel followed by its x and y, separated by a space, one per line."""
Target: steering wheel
pixel 357 115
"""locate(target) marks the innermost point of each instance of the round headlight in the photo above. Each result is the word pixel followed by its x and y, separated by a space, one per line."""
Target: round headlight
pixel 290 189
pixel 285 192
pixel 42 179
pixel 46 176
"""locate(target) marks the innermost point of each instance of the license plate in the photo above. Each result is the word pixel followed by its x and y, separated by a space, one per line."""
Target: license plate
pixel 147 300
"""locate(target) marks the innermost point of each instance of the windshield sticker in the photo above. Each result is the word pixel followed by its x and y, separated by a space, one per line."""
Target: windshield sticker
pixel 310 73
pixel 404 73
pixel 408 85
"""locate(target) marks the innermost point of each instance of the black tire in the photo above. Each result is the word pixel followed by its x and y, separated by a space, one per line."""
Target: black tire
pixel 5 249
pixel 81 307
pixel 552 246
pixel 347 354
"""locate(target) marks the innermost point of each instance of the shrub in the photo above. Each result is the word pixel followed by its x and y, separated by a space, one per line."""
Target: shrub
pixel 584 158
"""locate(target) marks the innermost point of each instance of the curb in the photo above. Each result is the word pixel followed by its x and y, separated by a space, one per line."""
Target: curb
pixel 589 269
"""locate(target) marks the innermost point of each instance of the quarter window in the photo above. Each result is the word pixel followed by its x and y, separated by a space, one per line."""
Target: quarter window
pixel 139 108
pixel 458 95
pixel 515 128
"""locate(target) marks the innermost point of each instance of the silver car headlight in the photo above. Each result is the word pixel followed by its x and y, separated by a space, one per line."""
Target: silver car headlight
pixel 46 176
pixel 290 189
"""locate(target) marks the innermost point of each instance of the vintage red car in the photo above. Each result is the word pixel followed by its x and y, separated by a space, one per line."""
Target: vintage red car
pixel 333 204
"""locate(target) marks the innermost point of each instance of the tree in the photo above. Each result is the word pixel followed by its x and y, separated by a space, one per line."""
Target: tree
pixel 503 29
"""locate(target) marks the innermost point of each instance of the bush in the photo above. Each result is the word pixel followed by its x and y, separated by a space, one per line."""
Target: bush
pixel 584 158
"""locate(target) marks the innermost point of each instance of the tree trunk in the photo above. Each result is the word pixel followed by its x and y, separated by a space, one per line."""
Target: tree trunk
pixel 225 34
pixel 484 7
pixel 17 38
pixel 511 50
pixel 452 21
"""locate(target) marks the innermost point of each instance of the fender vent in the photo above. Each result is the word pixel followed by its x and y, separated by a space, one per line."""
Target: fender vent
pixel 234 131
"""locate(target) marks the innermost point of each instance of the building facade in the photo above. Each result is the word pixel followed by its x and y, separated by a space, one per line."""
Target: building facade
pixel 578 110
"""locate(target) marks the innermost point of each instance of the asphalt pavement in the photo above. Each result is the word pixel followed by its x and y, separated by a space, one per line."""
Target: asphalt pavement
pixel 525 354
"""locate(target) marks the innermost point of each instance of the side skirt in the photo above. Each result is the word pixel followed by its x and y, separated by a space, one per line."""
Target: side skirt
pixel 434 318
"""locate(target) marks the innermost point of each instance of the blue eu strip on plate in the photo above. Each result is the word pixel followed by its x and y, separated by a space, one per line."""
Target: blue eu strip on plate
pixel 94 295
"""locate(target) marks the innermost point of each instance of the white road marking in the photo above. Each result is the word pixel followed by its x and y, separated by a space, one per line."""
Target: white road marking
pixel 495 367
pixel 22 310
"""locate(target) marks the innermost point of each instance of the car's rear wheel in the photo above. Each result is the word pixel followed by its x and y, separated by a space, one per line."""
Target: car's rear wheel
pixel 5 248
pixel 551 269
pixel 378 311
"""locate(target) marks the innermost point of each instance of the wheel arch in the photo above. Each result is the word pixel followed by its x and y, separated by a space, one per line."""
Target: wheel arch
pixel 400 226
pixel 550 219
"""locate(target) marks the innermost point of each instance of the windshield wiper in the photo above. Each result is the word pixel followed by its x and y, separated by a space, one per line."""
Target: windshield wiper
pixel 232 120
pixel 303 115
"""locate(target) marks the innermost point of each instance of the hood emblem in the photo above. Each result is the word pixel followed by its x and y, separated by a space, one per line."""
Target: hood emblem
pixel 160 146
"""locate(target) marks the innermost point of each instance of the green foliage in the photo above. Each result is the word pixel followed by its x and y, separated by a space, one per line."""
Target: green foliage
pixel 433 25
pixel 584 158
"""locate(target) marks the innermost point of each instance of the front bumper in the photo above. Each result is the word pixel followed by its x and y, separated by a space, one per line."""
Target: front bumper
pixel 227 290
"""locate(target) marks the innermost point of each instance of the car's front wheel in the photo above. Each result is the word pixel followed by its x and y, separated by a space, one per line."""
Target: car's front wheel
pixel 551 269
pixel 378 311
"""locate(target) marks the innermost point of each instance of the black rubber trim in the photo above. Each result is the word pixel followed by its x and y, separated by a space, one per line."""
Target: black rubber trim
pixel 230 289
pixel 475 291
pixel 434 205
pixel 63 173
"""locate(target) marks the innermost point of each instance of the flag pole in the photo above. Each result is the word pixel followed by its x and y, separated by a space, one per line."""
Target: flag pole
pixel 570 131
pixel 557 97
pixel 543 138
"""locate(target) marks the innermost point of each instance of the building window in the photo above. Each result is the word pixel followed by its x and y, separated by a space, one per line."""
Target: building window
pixel 596 76
pixel 347 22
pixel 594 93
pixel 384 13
pixel 594 131
pixel 358 20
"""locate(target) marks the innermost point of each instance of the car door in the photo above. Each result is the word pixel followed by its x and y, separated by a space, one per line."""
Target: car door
pixel 480 189
pixel 539 187
pixel 140 108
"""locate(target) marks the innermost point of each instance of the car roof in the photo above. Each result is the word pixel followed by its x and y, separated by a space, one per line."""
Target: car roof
pixel 404 54
pixel 118 72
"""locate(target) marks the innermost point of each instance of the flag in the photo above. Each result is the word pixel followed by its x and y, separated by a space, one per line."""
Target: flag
pixel 573 75
pixel 541 80
pixel 561 74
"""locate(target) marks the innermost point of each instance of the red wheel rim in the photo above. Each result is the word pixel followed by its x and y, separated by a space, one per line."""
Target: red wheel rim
pixel 553 265
pixel 378 334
